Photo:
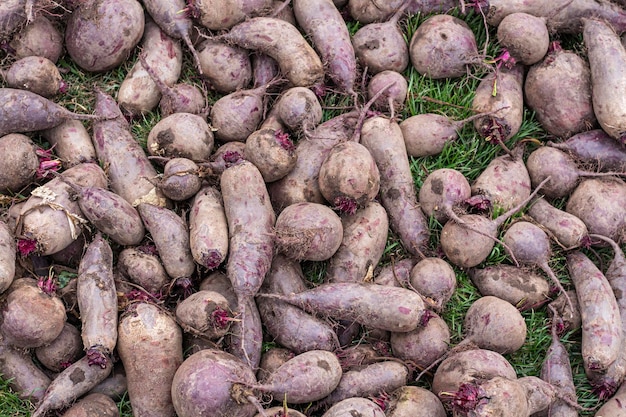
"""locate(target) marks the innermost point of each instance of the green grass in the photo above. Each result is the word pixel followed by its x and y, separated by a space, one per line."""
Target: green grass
pixel 470 154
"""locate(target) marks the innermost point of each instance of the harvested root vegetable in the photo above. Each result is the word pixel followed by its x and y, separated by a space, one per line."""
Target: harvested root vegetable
pixel 383 138
pixel 369 381
pixel 501 90
pixel 178 98
pixel 100 34
pixel 427 134
pixel 36 74
pixel 62 351
pixel 525 37
pixel 172 19
pixel 227 378
pixel 227 68
pixel 97 301
pixel 299 109
pixel 364 239
pixel 224 14
pixel 272 151
pixel 41 37
pixel 181 179
pixel 204 313
pixel 289 325
pixel 236 115
pixel 600 203
pixel 565 107
pixel 552 162
pixel 443 46
pixel 324 24
pixel 297 60
pixel 71 143
pixel 128 168
pixel 149 335
pixel 505 182
pixel 470 242
pixel 143 268
pixel 412 401
pixel 308 231
pixel 23 111
pixel 601 320
pixel 530 245
pixel 110 214
pixel 435 280
pixel 72 383
pixel 309 376
pixel 7 256
pixel 606 56
pixel 355 406
pixel 182 135
pixel 93 405
pixel 20 163
pixel 381 46
pixel 442 190
pixel 568 230
pixel 494 324
pixel 208 228
pixel 595 147
pixel 423 346
pixel 392 98
pixel 138 93
pixel 170 234
pixel 51 219
pixel 24 377
pixel 367 304
pixel 349 177
pixel 521 287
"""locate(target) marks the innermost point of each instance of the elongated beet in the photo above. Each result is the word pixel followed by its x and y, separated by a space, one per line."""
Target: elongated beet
pixel 172 20
pixel 283 42
pixel 521 287
pixel 23 111
pixel 564 16
pixel 595 147
pixel 607 57
pixel 149 335
pixel 601 321
pixel 74 381
pixel 97 301
pixel 171 237
pixel 568 230
pixel 383 138
pixel 367 304
pixel 321 20
pixel 128 167
pixel 25 378
pixel 364 239
pixel 208 229
pixel 7 256
pixel 289 325
pixel 110 214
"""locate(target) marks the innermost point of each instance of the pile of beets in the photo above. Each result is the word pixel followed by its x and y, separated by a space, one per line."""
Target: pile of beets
pixel 237 263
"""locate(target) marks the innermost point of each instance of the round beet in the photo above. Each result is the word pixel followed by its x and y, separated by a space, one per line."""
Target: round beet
pixel 525 37
pixel 19 163
pixel 36 74
pixel 442 47
pixel 180 179
pixel 40 38
pixel 182 135
pixel 349 177
pixel 308 231
pixel 227 68
pixel 435 280
pixel 100 34
pixel 209 384
pixel 392 98
pixel 441 191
